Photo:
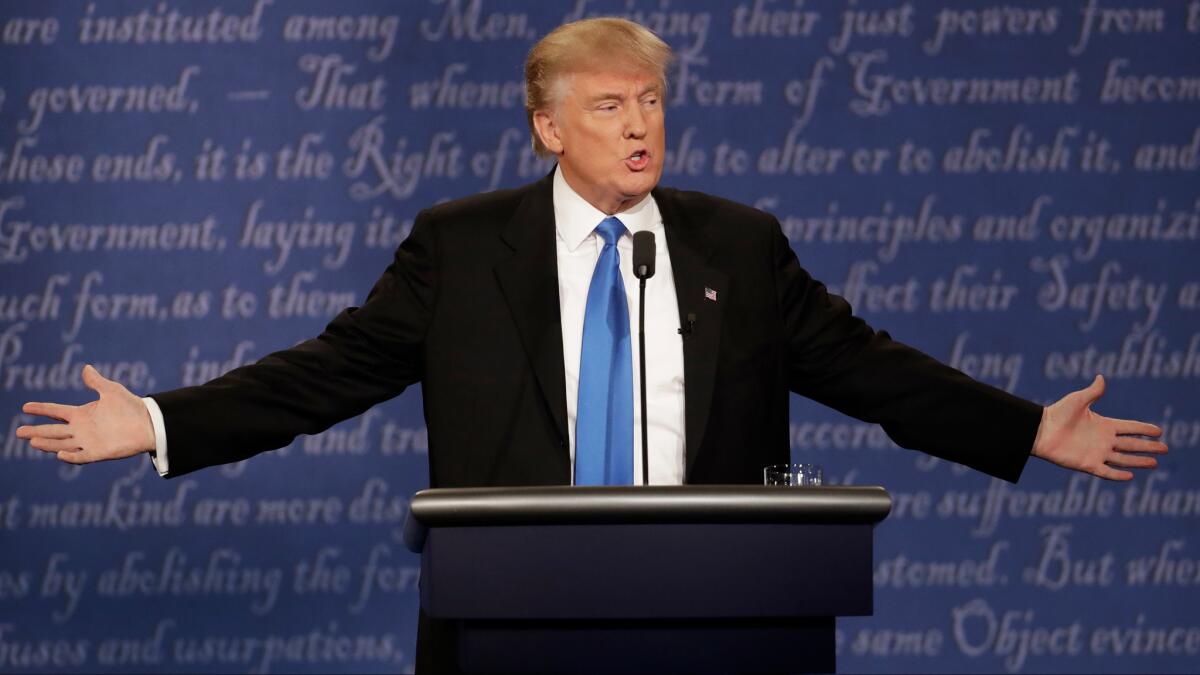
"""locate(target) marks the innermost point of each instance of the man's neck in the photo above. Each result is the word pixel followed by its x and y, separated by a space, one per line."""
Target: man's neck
pixel 609 207
pixel 575 217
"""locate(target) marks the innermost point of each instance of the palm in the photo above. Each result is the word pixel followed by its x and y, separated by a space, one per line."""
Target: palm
pixel 1072 435
pixel 115 425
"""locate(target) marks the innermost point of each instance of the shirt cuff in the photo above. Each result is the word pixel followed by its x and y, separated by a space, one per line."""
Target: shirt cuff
pixel 159 454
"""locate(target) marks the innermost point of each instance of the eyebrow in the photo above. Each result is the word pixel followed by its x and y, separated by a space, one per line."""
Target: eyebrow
pixel 607 95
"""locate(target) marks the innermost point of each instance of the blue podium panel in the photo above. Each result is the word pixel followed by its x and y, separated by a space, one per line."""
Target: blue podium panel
pixel 682 571
pixel 712 579
pixel 715 647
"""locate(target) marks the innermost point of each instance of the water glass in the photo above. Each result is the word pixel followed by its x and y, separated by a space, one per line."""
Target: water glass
pixel 801 475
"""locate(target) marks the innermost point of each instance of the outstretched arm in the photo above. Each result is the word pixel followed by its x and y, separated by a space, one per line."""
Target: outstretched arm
pixel 837 359
pixel 1073 436
pixel 114 426
pixel 365 355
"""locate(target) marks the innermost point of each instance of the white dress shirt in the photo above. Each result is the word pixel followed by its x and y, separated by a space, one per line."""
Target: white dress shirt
pixel 578 249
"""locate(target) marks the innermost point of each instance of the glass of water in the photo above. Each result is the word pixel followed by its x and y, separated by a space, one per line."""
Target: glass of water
pixel 801 475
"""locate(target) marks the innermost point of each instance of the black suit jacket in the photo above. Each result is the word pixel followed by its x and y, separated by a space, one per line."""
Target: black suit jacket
pixel 469 307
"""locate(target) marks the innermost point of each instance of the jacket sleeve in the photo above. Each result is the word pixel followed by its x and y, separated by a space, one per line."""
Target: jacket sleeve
pixel 365 355
pixel 835 358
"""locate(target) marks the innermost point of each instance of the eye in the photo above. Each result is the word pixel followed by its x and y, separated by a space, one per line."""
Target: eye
pixel 652 101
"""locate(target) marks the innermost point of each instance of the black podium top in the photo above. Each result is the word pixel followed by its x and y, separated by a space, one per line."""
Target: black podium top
pixel 472 507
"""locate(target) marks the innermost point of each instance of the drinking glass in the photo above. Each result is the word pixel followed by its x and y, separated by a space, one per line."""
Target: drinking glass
pixel 801 475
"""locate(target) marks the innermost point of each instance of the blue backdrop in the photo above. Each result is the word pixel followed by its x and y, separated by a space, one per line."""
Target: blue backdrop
pixel 185 187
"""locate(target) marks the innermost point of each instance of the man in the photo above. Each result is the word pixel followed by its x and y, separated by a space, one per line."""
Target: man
pixel 511 308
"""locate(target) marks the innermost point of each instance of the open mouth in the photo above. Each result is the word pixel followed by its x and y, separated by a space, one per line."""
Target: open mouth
pixel 638 160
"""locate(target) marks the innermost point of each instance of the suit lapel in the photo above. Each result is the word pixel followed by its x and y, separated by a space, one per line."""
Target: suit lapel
pixel 699 288
pixel 529 281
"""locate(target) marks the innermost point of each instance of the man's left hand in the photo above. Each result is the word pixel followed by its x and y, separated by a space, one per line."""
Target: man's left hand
pixel 1073 436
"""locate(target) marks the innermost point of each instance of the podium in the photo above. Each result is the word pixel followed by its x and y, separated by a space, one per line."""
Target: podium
pixel 687 579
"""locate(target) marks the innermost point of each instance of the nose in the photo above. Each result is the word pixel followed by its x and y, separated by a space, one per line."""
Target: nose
pixel 635 122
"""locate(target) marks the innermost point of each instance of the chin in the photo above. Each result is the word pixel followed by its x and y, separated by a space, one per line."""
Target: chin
pixel 640 183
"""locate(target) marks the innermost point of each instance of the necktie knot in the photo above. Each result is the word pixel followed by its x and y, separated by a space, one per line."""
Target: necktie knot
pixel 610 230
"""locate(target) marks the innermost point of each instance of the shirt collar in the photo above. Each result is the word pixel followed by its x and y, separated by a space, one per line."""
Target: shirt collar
pixel 575 219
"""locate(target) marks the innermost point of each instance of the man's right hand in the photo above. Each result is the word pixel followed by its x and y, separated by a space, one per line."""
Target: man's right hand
pixel 115 426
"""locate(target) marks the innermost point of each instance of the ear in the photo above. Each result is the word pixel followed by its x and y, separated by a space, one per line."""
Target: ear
pixel 548 131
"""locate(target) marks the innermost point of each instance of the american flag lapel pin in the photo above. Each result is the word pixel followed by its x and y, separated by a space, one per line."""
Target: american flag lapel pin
pixel 710 294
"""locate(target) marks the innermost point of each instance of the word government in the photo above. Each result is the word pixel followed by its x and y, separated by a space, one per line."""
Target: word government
pixel 876 93
pixel 19 238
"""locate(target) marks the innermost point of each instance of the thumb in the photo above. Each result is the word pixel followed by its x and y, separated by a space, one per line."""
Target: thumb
pixel 1095 390
pixel 94 380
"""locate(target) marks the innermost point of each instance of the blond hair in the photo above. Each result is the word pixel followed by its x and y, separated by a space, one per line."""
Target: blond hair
pixel 584 45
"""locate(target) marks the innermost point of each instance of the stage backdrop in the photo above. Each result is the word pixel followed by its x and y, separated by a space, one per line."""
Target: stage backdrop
pixel 188 186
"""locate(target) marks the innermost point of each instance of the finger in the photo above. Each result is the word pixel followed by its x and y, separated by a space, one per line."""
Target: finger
pixel 56 410
pixel 1132 461
pixel 1095 390
pixel 1136 427
pixel 1131 444
pixel 94 380
pixel 1108 473
pixel 44 431
pixel 73 457
pixel 55 444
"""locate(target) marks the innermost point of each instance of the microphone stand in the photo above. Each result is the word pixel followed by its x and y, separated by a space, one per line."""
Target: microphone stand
pixel 642 361
pixel 643 268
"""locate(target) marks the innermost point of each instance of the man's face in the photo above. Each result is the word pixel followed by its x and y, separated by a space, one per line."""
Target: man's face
pixel 607 131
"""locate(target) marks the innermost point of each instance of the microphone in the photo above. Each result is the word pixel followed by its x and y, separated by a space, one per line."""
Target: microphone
pixel 643 254
pixel 643 269
pixel 686 330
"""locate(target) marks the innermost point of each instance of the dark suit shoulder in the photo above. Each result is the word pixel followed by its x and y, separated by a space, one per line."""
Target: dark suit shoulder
pixel 718 216
pixel 492 207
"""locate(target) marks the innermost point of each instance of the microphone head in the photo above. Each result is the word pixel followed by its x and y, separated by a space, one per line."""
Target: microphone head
pixel 643 254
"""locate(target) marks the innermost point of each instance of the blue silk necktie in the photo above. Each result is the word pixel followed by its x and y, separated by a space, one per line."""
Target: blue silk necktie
pixel 604 423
